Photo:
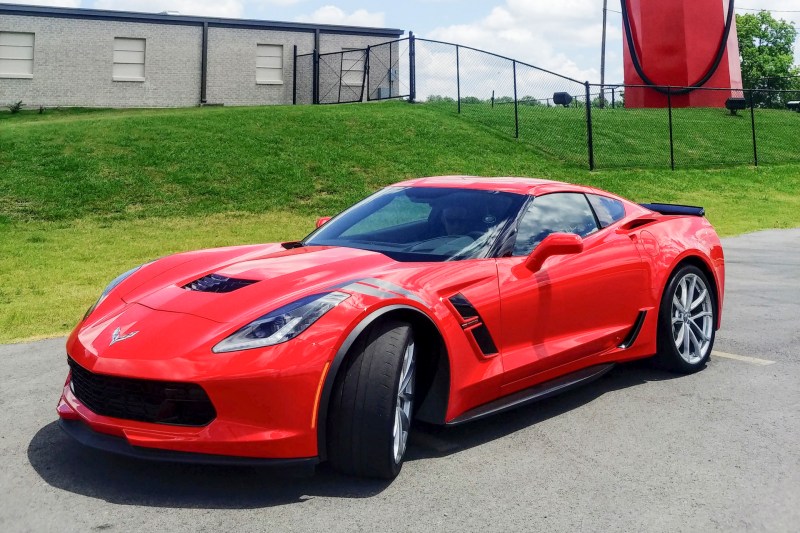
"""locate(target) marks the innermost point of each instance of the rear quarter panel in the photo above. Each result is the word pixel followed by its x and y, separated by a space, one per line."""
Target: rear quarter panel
pixel 670 240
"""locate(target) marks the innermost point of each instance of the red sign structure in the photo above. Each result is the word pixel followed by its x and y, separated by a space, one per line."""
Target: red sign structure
pixel 680 43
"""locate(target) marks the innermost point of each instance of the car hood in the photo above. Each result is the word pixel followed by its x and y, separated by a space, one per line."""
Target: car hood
pixel 277 277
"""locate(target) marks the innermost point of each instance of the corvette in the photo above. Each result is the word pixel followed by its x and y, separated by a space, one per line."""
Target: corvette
pixel 442 299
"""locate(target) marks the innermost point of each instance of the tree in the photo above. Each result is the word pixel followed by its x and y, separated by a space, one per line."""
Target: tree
pixel 767 55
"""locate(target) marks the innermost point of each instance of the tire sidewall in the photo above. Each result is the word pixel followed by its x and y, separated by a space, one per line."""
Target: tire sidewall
pixel 398 465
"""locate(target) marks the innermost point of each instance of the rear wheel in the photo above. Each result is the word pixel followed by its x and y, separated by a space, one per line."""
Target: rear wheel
pixel 373 402
pixel 687 321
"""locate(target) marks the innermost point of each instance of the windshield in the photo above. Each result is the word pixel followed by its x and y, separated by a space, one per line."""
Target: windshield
pixel 423 223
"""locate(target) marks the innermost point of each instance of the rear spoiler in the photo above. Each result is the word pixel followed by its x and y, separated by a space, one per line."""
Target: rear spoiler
pixel 676 209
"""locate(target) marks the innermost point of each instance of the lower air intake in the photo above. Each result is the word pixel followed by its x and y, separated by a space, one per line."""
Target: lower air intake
pixel 158 402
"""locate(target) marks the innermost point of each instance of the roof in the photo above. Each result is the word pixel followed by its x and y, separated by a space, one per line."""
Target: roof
pixel 504 184
pixel 163 18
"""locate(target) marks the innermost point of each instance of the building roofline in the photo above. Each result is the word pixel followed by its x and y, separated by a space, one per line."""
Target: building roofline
pixel 188 20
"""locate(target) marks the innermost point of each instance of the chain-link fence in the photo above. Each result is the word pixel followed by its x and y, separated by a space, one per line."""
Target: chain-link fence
pixel 563 118
pixel 679 136
pixel 304 79
pixel 503 94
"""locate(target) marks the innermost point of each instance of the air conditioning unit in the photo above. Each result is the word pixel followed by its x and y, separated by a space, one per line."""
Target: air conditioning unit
pixel 384 93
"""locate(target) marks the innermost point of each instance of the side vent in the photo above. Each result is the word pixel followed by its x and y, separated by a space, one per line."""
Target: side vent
pixel 634 332
pixel 473 325
pixel 217 283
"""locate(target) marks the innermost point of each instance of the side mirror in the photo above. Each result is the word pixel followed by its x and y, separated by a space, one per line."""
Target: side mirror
pixel 553 244
pixel 322 220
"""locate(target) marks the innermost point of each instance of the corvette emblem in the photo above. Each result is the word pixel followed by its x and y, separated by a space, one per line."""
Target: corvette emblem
pixel 116 337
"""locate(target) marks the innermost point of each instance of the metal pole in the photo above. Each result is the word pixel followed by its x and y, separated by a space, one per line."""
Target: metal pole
pixel 671 142
pixel 315 74
pixel 365 76
pixel 613 98
pixel 589 136
pixel 516 109
pixel 458 78
pixel 204 65
pixel 391 71
pixel 603 58
pixel 294 76
pixel 753 127
pixel 412 67
pixel 341 76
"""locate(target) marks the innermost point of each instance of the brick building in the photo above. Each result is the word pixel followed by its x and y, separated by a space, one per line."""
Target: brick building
pixel 95 58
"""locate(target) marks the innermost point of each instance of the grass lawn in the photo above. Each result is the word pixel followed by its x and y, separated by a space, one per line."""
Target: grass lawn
pixel 87 194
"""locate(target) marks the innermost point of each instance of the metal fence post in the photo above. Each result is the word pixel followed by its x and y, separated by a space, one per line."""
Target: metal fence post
pixel 294 76
pixel 315 77
pixel 671 142
pixel 365 76
pixel 412 67
pixel 753 127
pixel 516 107
pixel 613 98
pixel 458 78
pixel 391 75
pixel 589 134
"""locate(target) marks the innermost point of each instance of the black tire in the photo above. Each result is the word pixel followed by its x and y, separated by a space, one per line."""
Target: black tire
pixel 685 340
pixel 365 400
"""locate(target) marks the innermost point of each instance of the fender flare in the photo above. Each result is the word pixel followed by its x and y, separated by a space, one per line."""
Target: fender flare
pixel 338 359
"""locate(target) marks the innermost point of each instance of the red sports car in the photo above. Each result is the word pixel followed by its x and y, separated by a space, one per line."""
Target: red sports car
pixel 438 299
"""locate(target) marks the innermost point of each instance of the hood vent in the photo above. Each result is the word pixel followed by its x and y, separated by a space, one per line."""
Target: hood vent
pixel 217 283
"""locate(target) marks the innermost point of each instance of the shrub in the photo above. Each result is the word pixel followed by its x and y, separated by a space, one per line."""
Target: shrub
pixel 16 107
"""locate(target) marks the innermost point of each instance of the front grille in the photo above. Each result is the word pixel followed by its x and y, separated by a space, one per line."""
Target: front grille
pixel 217 283
pixel 159 402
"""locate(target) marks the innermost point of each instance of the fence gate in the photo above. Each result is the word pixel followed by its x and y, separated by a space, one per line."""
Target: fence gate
pixel 352 75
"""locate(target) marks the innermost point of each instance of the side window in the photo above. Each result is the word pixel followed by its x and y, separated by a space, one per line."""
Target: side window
pixel 553 213
pixel 607 209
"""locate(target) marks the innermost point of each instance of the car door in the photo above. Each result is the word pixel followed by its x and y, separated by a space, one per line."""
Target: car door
pixel 576 305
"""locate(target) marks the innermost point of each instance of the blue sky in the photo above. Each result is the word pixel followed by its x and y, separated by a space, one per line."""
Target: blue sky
pixel 561 35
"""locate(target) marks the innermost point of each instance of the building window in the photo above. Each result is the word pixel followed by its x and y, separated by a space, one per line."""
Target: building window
pixel 353 66
pixel 269 64
pixel 16 54
pixel 128 59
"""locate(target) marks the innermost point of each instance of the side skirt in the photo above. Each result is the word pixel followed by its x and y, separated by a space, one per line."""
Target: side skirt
pixel 535 393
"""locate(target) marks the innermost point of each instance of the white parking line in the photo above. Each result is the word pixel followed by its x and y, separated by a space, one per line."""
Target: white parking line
pixel 743 358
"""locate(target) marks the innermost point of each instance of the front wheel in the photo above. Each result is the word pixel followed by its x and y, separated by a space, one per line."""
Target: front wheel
pixel 687 321
pixel 372 403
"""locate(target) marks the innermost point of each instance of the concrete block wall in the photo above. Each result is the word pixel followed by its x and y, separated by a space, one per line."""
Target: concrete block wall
pixel 232 65
pixel 73 62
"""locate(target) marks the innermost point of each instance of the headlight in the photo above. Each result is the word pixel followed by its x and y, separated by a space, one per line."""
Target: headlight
pixel 116 281
pixel 282 324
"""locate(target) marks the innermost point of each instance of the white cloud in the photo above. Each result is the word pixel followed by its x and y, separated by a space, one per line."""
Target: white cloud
pixel 334 15
pixel 51 3
pixel 545 34
pixel 211 8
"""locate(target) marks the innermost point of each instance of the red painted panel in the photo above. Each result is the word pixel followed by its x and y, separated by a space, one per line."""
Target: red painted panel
pixel 676 43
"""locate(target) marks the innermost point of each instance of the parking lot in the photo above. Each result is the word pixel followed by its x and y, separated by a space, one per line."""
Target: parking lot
pixel 638 450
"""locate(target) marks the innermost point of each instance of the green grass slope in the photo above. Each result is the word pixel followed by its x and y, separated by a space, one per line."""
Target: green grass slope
pixel 86 194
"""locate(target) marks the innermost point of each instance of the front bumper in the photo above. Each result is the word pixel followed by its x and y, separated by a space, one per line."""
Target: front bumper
pixel 265 400
pixel 120 446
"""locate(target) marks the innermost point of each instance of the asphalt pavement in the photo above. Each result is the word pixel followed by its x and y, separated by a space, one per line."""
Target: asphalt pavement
pixel 638 450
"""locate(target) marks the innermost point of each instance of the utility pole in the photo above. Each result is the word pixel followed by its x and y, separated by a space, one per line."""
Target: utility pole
pixel 603 58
